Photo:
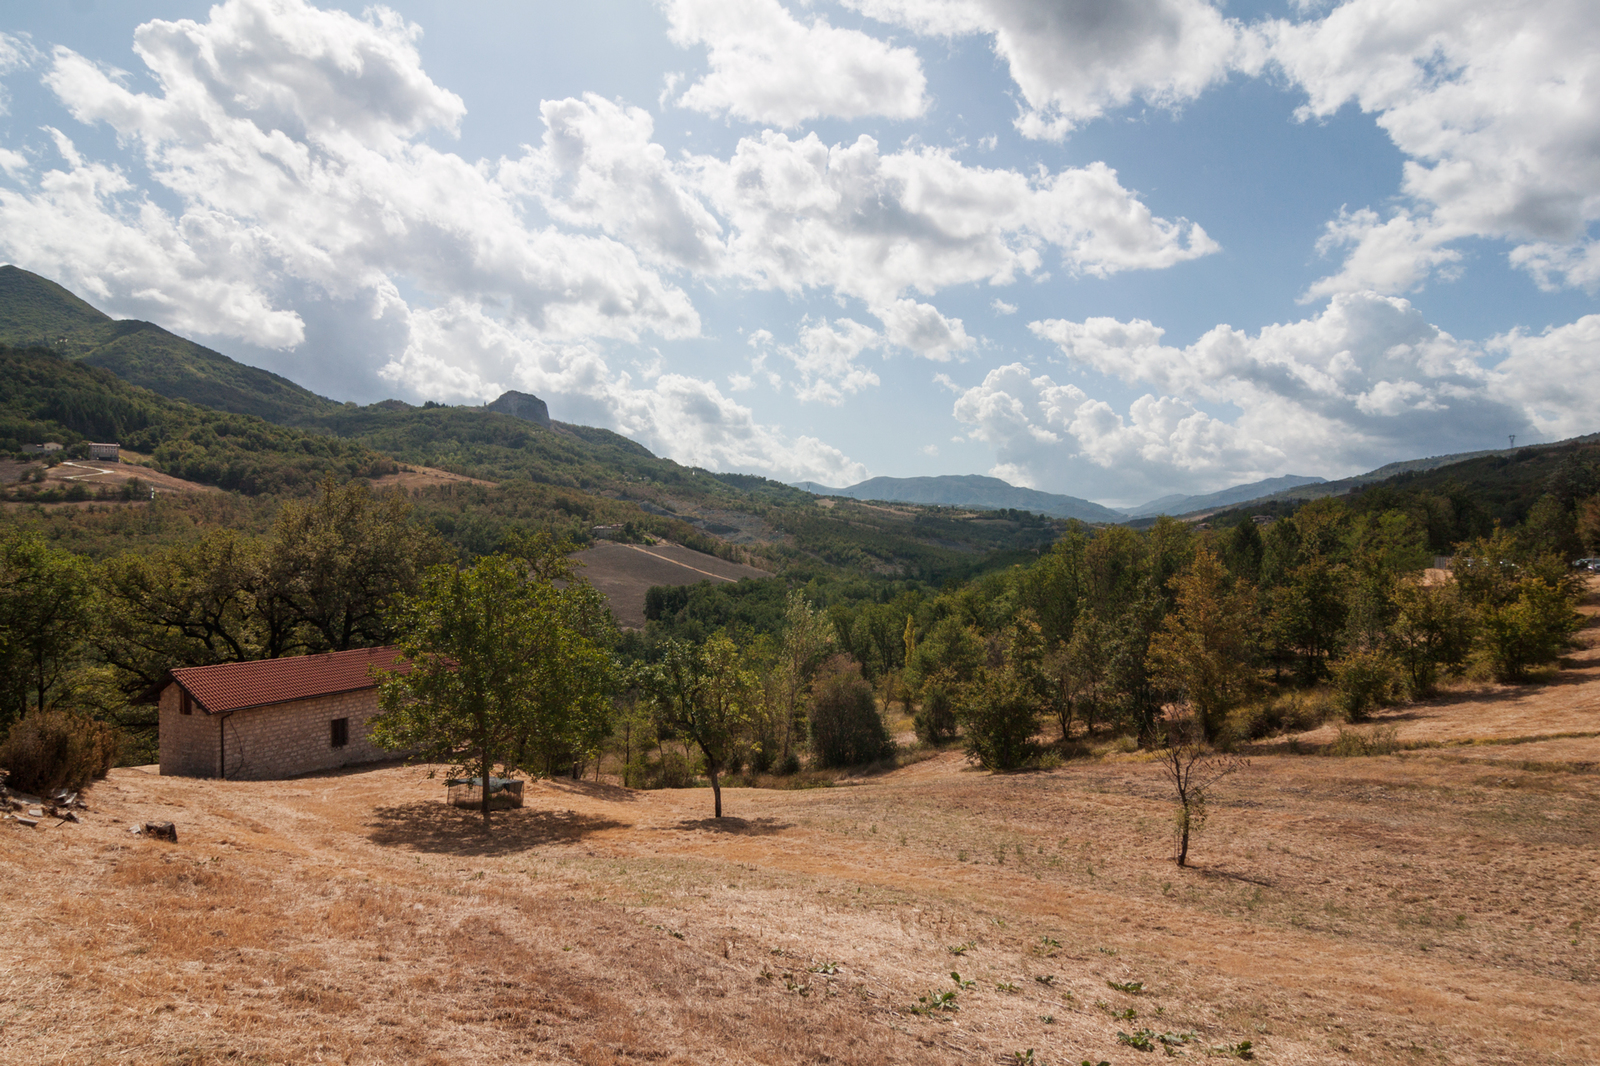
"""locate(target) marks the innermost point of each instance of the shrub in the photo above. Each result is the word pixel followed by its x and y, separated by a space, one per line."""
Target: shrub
pixel 1361 681
pixel 846 728
pixel 49 750
pixel 935 720
pixel 1352 743
pixel 672 770
pixel 999 717
pixel 1532 629
pixel 1291 712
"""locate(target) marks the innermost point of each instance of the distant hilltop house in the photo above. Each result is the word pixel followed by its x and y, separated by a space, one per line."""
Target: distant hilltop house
pixel 111 453
pixel 47 448
pixel 274 718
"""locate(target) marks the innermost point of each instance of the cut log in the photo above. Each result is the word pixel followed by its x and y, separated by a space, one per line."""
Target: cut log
pixel 162 831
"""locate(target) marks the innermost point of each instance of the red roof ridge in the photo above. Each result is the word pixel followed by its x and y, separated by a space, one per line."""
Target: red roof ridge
pixel 227 687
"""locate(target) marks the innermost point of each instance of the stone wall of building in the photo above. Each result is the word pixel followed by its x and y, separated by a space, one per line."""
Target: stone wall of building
pixel 188 742
pixel 296 738
pixel 267 743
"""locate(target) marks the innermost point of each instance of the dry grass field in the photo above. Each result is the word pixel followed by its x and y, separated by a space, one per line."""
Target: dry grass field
pixel 1434 906
pixel 97 473
pixel 623 573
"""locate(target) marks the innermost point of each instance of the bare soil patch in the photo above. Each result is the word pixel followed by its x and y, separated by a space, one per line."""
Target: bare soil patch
pixel 96 474
pixel 623 573
pixel 423 477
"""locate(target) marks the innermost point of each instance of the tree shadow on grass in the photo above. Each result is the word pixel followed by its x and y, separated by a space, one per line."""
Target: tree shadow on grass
pixel 440 828
pixel 592 789
pixel 752 827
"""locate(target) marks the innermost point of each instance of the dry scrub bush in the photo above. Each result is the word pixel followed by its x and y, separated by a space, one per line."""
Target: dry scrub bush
pixel 1352 743
pixel 50 750
pixel 1293 712
pixel 1364 680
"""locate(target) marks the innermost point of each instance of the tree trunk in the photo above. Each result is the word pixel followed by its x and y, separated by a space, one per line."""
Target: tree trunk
pixel 716 790
pixel 1183 839
pixel 484 799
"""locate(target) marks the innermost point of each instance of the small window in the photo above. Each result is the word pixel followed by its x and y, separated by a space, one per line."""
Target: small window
pixel 341 732
pixel 185 704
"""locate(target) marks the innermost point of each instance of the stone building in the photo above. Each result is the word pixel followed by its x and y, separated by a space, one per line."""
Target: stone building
pixel 273 718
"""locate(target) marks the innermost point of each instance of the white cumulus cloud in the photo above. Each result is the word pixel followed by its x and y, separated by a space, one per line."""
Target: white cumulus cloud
pixel 1074 60
pixel 1365 380
pixel 1495 105
pixel 802 214
pixel 768 66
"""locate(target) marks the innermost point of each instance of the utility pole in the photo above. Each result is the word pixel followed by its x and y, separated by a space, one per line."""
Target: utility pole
pixel 1513 439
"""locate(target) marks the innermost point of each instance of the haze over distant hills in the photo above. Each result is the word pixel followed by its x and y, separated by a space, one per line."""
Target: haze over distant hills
pixel 1180 504
pixel 969 490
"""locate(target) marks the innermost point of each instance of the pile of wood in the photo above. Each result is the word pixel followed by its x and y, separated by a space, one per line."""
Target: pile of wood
pixel 63 805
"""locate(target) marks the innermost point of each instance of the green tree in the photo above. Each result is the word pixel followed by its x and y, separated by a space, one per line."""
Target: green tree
pixel 1532 629
pixel 1433 630
pixel 999 708
pixel 1203 647
pixel 999 715
pixel 344 561
pixel 807 641
pixel 706 695
pixel 1309 613
pixel 187 605
pixel 496 663
pixel 1055 587
pixel 846 729
pixel 44 612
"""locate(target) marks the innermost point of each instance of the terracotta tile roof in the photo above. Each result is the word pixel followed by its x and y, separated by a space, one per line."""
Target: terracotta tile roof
pixel 239 686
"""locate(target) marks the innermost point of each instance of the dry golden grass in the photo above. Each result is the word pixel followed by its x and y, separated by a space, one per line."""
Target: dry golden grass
pixel 424 477
pixel 1435 906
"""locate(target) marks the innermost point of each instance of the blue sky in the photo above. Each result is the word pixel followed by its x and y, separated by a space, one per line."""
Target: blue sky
pixel 1107 249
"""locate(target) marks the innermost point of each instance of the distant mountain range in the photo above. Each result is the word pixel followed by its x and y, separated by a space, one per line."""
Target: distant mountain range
pixel 969 490
pixel 1180 504
pixel 989 493
pixel 35 311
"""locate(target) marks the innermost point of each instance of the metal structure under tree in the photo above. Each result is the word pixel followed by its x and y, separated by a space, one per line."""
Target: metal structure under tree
pixel 504 793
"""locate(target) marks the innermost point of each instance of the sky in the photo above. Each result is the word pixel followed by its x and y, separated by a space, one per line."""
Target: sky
pixel 1107 248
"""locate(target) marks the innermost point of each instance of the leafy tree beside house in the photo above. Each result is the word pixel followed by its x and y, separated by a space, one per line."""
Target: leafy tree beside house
pixel 498 668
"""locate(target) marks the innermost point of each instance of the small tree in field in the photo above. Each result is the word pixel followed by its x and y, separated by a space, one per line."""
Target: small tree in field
pixel 1193 770
pixel 706 695
pixel 497 660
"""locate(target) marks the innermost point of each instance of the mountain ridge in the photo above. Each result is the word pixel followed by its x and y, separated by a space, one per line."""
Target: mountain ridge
pixel 35 311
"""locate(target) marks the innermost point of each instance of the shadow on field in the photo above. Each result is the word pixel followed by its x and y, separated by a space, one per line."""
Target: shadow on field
pixel 750 827
pixel 438 827
pixel 591 789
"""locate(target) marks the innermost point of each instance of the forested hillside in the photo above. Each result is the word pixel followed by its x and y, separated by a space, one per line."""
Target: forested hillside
pixel 45 397
pixel 36 312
